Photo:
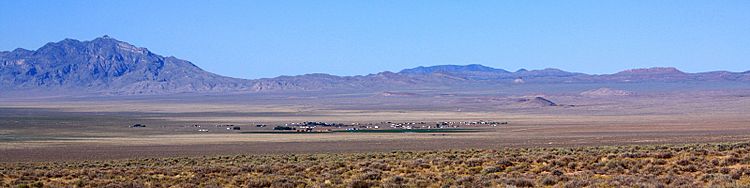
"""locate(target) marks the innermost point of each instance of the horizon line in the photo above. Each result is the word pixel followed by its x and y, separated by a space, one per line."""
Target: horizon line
pixel 386 71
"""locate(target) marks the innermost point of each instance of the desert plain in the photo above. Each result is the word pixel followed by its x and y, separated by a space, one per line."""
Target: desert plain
pixel 99 128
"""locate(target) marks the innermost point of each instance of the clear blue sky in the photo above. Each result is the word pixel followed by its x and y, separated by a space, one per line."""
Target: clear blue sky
pixel 254 39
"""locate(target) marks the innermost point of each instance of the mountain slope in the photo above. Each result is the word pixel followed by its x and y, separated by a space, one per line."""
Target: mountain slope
pixel 107 65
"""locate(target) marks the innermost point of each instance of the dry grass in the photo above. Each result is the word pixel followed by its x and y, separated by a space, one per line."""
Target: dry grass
pixel 720 165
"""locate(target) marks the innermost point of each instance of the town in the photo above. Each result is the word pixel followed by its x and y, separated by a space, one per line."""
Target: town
pixel 322 127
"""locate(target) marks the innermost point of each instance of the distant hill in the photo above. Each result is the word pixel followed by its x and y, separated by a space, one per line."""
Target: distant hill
pixel 111 67
pixel 453 69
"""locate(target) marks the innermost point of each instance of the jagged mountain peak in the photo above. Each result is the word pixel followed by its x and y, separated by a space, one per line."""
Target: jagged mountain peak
pixel 105 64
pixel 99 48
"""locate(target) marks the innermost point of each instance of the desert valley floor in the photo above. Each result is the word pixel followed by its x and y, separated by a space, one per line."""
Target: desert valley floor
pixel 45 129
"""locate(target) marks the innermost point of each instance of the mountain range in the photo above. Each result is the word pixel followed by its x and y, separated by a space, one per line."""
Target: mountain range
pixel 112 67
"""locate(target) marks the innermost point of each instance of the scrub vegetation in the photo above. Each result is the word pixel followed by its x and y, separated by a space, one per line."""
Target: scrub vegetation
pixel 695 165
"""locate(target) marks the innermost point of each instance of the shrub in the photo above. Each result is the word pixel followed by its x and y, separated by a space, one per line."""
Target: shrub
pixel 549 181
pixel 361 184
pixel 492 169
pixel 663 155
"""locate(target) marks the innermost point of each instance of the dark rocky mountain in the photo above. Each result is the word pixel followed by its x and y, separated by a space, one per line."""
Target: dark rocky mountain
pixel 108 66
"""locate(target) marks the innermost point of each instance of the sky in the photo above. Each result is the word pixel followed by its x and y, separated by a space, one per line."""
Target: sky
pixel 260 39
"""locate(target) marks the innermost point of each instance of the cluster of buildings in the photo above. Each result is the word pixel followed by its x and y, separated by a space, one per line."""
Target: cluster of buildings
pixel 316 126
pixel 230 127
pixel 301 129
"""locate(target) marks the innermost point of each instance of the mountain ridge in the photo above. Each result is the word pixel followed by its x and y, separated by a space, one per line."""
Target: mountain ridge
pixel 107 65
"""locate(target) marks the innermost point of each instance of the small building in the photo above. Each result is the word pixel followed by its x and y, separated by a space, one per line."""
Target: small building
pixel 137 125
pixel 283 128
